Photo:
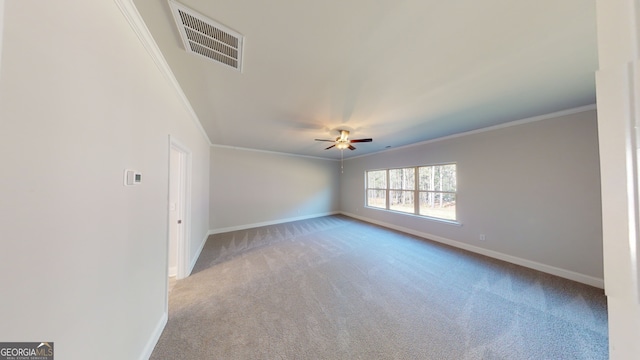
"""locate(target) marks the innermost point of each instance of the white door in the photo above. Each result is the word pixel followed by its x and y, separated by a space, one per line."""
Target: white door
pixel 179 183
pixel 175 216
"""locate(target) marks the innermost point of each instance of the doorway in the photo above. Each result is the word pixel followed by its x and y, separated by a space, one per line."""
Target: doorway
pixel 178 212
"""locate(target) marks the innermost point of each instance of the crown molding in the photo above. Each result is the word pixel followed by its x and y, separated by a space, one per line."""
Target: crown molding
pixel 130 12
pixel 271 152
pixel 491 128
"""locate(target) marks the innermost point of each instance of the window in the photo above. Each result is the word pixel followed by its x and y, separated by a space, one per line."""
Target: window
pixel 377 189
pixel 401 189
pixel 428 191
pixel 437 191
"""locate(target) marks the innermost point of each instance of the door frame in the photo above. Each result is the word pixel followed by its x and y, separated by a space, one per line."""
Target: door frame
pixel 184 208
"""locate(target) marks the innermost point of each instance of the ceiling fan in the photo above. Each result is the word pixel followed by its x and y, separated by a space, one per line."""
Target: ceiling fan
pixel 342 142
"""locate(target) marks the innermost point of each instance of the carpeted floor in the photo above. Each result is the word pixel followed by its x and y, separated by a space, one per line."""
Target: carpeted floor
pixel 337 288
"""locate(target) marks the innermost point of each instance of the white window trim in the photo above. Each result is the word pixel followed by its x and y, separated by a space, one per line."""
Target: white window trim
pixel 416 192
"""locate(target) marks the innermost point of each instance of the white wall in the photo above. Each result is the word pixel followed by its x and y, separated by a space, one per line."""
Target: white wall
pixel 1 28
pixel 250 188
pixel 533 189
pixel 83 260
pixel 618 90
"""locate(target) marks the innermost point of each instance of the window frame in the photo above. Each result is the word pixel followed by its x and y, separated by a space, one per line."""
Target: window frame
pixel 400 189
pixel 417 192
pixel 385 189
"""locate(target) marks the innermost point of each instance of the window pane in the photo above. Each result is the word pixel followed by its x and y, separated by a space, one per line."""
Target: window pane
pixel 447 177
pixel 401 201
pixel 437 178
pixel 377 179
pixel 377 198
pixel 426 178
pixel 403 179
pixel 438 205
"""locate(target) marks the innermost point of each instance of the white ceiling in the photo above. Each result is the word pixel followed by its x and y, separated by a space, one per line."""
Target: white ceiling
pixel 399 71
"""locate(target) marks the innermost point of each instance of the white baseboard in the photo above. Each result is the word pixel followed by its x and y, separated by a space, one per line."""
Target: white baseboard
pixel 155 336
pixel 567 274
pixel 267 223
pixel 197 255
pixel 173 271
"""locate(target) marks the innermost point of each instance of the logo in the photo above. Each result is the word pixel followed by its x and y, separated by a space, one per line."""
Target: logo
pixel 26 350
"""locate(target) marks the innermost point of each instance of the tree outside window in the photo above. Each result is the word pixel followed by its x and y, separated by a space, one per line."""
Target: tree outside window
pixel 428 191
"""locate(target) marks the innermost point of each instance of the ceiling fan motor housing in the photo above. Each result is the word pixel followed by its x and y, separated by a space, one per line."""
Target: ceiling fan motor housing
pixel 342 142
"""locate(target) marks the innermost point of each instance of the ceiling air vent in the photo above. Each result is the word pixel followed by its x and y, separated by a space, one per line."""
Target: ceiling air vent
pixel 208 38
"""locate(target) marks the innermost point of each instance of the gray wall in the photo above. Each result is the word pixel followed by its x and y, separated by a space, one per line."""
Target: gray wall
pixel 84 258
pixel 250 188
pixel 533 189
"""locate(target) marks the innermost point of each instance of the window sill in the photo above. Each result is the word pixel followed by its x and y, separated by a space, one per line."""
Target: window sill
pixel 445 221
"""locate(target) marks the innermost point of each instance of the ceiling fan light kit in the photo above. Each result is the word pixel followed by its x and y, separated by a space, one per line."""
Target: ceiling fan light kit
pixel 342 142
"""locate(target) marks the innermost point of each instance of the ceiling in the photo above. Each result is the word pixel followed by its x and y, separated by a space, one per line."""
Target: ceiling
pixel 398 71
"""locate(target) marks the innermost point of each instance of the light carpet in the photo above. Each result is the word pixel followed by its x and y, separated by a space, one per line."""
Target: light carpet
pixel 337 288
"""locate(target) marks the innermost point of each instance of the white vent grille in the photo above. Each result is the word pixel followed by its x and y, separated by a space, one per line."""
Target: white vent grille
pixel 205 37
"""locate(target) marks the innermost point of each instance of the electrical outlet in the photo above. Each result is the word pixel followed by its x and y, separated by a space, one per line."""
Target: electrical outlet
pixel 482 237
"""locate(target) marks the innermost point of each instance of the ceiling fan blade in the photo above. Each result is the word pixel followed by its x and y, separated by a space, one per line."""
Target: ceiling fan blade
pixel 361 140
pixel 351 147
pixel 324 140
pixel 330 147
